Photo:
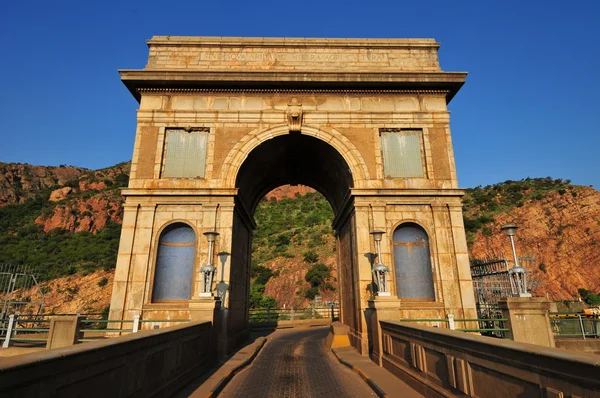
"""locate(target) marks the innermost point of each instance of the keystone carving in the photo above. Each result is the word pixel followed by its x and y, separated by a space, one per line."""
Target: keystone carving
pixel 294 115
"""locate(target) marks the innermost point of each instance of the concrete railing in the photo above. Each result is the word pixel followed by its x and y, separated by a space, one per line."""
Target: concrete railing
pixel 442 362
pixel 149 363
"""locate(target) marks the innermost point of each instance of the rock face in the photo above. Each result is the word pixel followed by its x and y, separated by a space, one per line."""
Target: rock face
pixel 59 194
pixel 19 182
pixel 90 214
pixel 561 231
pixel 89 204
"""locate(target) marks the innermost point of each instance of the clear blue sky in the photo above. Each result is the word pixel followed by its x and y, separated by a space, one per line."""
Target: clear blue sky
pixel 530 106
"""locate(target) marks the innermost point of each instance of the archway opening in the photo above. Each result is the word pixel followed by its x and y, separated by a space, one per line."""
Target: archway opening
pixel 293 253
pixel 291 159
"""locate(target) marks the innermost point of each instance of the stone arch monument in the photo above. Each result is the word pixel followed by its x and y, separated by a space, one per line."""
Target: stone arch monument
pixel 222 121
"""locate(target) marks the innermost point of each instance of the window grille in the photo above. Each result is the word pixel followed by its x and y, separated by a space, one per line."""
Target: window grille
pixel 412 262
pixel 185 153
pixel 402 154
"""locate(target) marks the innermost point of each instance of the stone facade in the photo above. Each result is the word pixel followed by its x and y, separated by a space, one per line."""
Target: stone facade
pixel 305 111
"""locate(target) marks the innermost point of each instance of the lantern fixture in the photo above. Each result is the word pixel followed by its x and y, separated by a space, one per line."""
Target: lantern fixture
pixel 222 287
pixel 208 271
pixel 517 274
pixel 380 270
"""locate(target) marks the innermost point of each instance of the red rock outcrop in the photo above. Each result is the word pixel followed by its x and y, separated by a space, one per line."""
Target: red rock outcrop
pixel 561 231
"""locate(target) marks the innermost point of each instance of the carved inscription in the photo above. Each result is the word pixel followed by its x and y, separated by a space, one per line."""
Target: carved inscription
pixel 254 56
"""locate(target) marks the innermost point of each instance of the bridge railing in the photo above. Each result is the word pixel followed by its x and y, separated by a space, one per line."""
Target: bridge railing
pixel 274 315
pixel 491 327
pixel 442 362
pixel 573 324
pixel 35 329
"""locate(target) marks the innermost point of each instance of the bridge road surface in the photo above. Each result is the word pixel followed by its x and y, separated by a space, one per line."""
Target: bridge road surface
pixel 295 363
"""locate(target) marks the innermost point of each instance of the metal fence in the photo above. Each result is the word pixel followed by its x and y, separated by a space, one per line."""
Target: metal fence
pixel 34 329
pixel 19 290
pixel 491 282
pixel 273 315
pixel 570 324
pixel 491 327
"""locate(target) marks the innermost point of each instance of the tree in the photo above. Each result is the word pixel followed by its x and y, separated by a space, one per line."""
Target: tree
pixel 593 299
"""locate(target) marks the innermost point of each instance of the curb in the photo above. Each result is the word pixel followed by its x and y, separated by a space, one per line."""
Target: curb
pixel 376 389
pixel 227 378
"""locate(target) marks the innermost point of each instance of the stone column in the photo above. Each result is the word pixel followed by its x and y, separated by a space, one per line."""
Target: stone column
pixel 528 320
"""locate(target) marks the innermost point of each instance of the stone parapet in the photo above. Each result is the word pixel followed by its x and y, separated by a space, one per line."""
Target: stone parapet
pixel 292 54
pixel 442 362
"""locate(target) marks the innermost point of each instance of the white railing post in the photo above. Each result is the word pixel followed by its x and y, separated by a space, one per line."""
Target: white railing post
pixel 136 323
pixel 292 313
pixel 9 331
pixel 581 326
pixel 451 325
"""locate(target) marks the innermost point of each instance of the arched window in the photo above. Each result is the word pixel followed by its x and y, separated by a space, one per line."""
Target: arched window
pixel 175 263
pixel 412 262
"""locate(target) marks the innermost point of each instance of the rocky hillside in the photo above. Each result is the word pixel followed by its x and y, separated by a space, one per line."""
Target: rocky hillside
pixel 65 223
pixel 559 225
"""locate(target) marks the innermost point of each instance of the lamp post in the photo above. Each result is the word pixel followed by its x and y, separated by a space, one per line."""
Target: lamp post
pixel 222 287
pixel 380 270
pixel 208 271
pixel 517 274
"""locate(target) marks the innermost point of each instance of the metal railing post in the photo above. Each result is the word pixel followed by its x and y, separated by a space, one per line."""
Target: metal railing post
pixel 268 315
pixel 581 326
pixel 451 324
pixel 136 323
pixel 292 313
pixel 11 322
pixel 313 312
pixel 332 314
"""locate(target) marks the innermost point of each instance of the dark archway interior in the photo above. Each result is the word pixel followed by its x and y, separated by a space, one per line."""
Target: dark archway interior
pixel 294 159
pixel 288 159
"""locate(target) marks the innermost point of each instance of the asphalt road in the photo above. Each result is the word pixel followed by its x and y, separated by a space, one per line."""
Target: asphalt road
pixel 295 363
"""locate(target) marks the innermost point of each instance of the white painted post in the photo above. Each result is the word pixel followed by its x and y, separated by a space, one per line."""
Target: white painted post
pixel 136 323
pixel 292 313
pixel 451 325
pixel 11 322
pixel 581 326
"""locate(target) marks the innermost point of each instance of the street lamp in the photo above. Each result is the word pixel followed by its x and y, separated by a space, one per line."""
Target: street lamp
pixel 380 270
pixel 517 274
pixel 222 286
pixel 208 271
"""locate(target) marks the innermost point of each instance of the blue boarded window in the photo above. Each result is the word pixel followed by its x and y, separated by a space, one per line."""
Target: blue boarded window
pixel 174 271
pixel 402 154
pixel 412 262
pixel 185 153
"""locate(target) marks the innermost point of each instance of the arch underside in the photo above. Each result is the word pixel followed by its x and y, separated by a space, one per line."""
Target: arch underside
pixel 294 159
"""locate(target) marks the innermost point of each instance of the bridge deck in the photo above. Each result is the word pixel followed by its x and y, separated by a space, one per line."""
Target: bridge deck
pixel 296 363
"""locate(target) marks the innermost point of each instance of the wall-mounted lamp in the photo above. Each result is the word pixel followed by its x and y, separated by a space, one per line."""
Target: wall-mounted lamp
pixel 380 270
pixel 222 287
pixel 208 271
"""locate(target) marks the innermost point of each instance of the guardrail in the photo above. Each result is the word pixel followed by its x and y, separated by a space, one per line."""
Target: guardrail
pixel 36 328
pixel 573 324
pixel 273 315
pixel 491 327
pixel 441 362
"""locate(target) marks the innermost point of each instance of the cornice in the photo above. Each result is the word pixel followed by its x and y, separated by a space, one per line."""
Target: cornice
pixel 447 83
pixel 285 91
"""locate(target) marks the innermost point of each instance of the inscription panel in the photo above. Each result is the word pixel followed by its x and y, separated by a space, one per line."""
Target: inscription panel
pixel 365 55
